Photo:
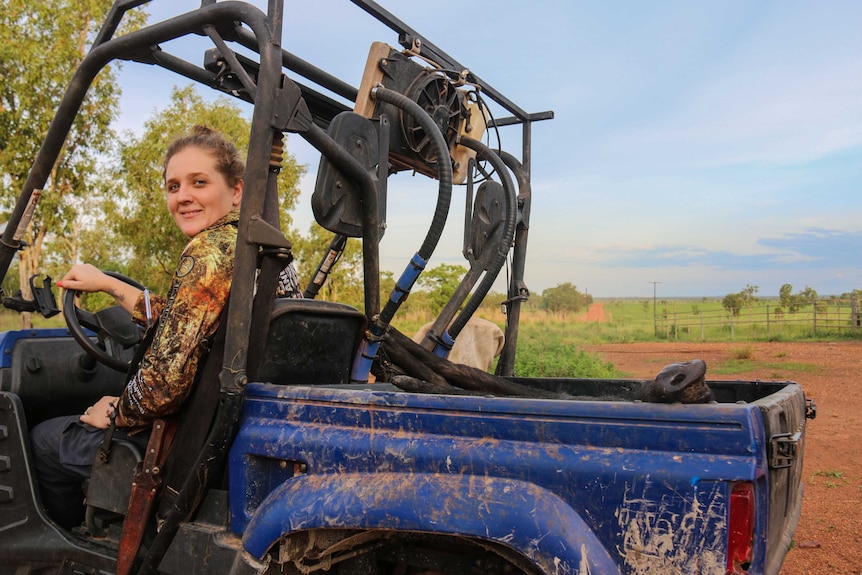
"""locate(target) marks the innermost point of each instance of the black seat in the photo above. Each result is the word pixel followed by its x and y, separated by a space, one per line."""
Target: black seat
pixel 311 342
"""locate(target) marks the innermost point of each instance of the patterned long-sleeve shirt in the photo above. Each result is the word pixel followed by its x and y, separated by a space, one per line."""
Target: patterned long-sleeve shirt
pixel 187 320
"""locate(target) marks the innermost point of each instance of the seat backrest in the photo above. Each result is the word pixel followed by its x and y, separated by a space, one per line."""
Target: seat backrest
pixel 311 342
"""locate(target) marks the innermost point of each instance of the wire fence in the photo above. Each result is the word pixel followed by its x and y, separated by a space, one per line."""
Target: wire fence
pixel 825 317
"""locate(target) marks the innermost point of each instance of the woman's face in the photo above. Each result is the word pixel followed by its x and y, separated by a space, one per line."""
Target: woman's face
pixel 198 194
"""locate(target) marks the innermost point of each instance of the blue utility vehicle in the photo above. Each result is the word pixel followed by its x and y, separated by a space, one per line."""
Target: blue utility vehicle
pixel 325 441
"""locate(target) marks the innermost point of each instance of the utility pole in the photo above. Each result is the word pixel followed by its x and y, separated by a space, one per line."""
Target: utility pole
pixel 654 324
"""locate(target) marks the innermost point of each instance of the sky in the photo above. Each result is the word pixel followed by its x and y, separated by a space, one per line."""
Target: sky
pixel 696 147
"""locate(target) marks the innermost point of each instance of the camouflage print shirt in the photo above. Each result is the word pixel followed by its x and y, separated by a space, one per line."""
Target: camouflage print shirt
pixel 187 320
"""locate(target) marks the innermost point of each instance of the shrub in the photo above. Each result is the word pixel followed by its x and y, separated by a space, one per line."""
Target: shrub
pixel 741 353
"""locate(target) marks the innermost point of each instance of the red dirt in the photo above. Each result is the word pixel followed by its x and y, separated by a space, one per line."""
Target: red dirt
pixel 829 536
pixel 595 313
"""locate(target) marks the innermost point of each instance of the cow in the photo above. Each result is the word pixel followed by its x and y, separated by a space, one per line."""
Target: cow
pixel 477 345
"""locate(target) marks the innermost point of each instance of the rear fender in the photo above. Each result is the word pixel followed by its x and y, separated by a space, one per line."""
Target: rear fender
pixel 516 514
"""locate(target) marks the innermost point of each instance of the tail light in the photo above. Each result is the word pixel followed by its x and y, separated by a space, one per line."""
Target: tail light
pixel 740 536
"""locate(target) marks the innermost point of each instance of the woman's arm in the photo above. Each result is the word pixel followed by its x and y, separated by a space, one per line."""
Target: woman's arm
pixel 88 278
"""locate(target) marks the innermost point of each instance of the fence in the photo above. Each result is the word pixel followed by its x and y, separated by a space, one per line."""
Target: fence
pixel 833 317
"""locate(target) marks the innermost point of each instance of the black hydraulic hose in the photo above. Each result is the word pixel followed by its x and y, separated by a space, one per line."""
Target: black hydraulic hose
pixel 444 165
pixel 380 325
pixel 441 211
pixel 506 239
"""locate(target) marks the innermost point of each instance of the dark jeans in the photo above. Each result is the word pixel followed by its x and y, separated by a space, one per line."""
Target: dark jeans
pixel 63 449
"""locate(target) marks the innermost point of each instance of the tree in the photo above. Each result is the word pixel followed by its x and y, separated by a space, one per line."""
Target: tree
pixel 41 45
pixel 785 295
pixel 146 240
pixel 733 303
pixel 853 294
pixel 441 282
pixel 748 294
pixel 563 298
pixel 808 296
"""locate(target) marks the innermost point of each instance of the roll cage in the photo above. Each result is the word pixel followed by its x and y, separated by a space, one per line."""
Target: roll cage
pixel 292 95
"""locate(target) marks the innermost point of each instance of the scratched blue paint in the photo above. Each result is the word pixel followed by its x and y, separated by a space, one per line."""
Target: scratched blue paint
pixel 600 460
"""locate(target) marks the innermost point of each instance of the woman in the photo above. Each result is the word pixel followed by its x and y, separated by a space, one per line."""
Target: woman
pixel 203 187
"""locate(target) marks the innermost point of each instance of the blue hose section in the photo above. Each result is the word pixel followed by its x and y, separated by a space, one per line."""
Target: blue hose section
pixel 368 349
pixel 364 359
pixel 443 349
pixel 407 279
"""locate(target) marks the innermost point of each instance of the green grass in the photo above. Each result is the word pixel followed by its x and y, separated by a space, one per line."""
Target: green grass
pixel 744 365
pixel 706 320
pixel 10 320
pixel 552 350
pixel 830 479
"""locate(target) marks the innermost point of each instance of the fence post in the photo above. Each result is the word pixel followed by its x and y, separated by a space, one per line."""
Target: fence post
pixel 854 315
pixel 702 334
pixel 767 321
pixel 731 323
pixel 814 317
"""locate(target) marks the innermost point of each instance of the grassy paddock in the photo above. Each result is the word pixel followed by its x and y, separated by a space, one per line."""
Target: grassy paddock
pixel 10 320
pixel 707 320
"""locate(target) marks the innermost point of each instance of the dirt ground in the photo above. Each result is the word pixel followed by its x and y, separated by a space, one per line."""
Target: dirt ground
pixel 829 536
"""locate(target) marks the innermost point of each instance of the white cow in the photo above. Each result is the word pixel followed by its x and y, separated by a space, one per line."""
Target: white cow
pixel 477 345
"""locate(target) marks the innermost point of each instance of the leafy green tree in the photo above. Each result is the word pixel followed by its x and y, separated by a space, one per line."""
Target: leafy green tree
pixel 733 303
pixel 41 44
pixel 146 240
pixel 748 294
pixel 808 296
pixel 563 298
pixel 441 282
pixel 785 295
pixel 853 294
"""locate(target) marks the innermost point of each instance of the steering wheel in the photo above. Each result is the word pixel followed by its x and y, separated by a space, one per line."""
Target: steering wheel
pixel 113 327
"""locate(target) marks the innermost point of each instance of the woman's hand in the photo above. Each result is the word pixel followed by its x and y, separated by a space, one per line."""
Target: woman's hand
pixel 89 278
pixel 99 414
pixel 85 277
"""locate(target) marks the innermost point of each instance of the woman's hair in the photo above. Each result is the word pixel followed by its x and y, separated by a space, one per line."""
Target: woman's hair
pixel 228 161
